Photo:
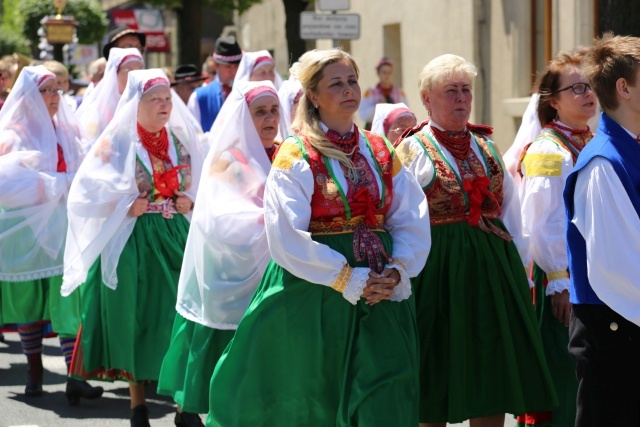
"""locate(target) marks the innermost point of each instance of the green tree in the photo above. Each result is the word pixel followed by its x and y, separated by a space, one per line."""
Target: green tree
pixel 92 21
pixel 11 42
pixel 189 14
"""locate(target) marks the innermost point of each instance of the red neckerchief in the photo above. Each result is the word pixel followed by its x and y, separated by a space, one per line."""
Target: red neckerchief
pixel 348 143
pixel 459 143
pixel 578 138
pixel 62 165
pixel 156 144
pixel 227 90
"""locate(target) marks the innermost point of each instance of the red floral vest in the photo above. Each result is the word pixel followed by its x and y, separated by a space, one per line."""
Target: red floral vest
pixel 448 201
pixel 331 210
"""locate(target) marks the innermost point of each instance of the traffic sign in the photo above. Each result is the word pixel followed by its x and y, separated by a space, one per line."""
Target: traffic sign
pixel 332 4
pixel 344 26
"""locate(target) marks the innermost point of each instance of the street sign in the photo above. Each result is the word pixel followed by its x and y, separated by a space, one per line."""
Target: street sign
pixel 332 4
pixel 344 26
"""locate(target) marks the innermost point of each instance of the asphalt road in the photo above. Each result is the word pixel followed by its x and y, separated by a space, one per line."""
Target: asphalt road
pixel 52 410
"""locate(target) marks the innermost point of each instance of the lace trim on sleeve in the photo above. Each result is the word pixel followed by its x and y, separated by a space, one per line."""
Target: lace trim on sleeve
pixel 402 291
pixel 357 282
pixel 557 286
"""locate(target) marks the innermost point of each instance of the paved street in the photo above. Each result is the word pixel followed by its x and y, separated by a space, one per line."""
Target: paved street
pixel 52 409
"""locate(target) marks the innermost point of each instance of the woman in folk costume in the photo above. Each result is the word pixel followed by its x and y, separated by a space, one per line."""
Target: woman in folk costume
pixel 99 106
pixel 566 104
pixel 289 94
pixel 481 353
pixel 391 120
pixel 40 153
pixel 128 224
pixel 227 251
pixel 257 66
pixel 384 92
pixel 329 337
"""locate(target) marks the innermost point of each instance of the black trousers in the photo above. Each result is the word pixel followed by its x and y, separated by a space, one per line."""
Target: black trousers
pixel 606 348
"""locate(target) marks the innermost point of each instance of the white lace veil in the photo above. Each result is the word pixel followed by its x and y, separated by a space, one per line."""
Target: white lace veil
pixel 105 186
pixel 287 94
pixel 382 111
pixel 99 106
pixel 227 252
pixel 529 130
pixel 247 64
pixel 33 217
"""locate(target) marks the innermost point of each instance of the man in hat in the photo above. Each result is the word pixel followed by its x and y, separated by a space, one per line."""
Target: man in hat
pixel 187 80
pixel 205 102
pixel 124 37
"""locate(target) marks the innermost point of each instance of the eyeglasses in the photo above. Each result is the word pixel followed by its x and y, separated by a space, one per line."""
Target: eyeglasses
pixel 577 88
pixel 50 91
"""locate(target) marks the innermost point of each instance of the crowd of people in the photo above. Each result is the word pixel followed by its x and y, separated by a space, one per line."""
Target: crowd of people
pixel 235 238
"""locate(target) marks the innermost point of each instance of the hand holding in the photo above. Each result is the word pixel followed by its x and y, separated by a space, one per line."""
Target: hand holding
pixel 139 205
pixel 183 203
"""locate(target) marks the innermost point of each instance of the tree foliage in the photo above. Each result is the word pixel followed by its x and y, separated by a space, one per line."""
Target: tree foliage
pixel 11 42
pixel 92 22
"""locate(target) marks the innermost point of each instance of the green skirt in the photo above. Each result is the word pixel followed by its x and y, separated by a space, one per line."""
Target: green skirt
pixel 555 340
pixel 126 331
pixel 481 352
pixel 304 356
pixel 40 301
pixel 188 365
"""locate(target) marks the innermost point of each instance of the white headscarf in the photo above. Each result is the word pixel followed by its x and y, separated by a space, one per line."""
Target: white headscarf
pixel 33 216
pixel 248 64
pixel 99 106
pixel 287 94
pixel 529 130
pixel 105 186
pixel 227 251
pixel 383 111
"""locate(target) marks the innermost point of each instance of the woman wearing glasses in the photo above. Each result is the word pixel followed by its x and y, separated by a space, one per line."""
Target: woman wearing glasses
pixel 39 156
pixel 566 104
pixel 391 120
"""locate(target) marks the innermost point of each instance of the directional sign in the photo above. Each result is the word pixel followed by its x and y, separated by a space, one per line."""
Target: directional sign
pixel 345 26
pixel 332 4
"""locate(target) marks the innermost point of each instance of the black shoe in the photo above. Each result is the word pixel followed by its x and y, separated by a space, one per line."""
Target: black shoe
pixel 1 337
pixel 187 419
pixel 77 389
pixel 140 416
pixel 34 375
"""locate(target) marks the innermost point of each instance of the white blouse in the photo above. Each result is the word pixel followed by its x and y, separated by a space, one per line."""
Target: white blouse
pixel 288 196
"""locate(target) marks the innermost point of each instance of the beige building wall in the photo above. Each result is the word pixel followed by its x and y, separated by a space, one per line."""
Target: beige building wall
pixel 494 34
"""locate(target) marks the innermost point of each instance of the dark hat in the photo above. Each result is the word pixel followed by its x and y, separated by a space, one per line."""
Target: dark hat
pixel 227 51
pixel 187 73
pixel 119 32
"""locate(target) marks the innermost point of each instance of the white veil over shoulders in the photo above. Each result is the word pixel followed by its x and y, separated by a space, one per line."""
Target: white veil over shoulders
pixel 287 94
pixel 529 130
pixel 99 106
pixel 227 252
pixel 105 186
pixel 33 217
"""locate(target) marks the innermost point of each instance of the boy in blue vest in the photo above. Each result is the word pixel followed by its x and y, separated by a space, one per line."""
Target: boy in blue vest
pixel 602 199
pixel 205 102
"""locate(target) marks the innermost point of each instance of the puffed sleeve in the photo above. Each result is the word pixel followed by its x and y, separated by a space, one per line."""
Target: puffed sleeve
pixel 610 226
pixel 408 223
pixel 287 201
pixel 545 168
pixel 414 158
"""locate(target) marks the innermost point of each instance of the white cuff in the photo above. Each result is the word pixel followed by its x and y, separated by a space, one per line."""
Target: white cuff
pixel 402 291
pixel 557 286
pixel 353 291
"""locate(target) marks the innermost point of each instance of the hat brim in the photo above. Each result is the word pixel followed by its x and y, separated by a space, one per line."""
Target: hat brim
pixel 188 80
pixel 107 47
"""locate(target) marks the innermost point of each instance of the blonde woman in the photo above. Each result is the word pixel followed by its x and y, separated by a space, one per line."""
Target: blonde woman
pixel 329 337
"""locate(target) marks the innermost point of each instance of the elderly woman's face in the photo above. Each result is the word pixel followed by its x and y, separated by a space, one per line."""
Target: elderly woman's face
pixel 265 112
pixel 263 72
pixel 154 109
pixel 123 73
pixel 399 125
pixel 338 93
pixel 50 96
pixel 450 102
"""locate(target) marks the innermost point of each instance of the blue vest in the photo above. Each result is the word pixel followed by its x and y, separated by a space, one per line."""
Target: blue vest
pixel 614 144
pixel 210 101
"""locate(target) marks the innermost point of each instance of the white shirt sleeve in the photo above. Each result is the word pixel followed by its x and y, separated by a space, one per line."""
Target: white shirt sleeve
pixel 607 220
pixel 368 106
pixel 543 214
pixel 416 161
pixel 511 216
pixel 194 107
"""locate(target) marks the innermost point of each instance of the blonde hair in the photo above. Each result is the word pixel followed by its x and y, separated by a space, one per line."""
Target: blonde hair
pixel 444 67
pixel 56 68
pixel 307 121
